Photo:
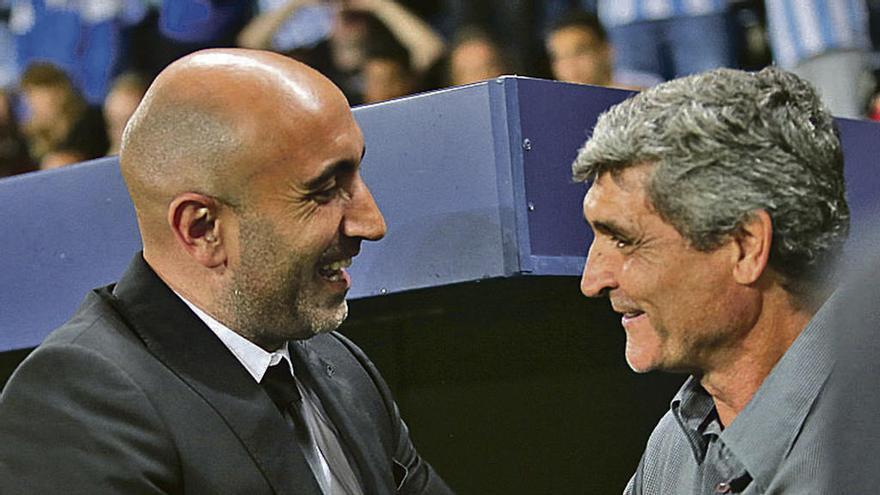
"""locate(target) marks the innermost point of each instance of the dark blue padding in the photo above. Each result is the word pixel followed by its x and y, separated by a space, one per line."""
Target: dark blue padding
pixel 555 119
pixel 451 170
pixel 64 232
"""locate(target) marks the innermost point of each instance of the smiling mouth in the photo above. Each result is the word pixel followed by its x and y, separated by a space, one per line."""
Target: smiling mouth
pixel 335 271
pixel 630 316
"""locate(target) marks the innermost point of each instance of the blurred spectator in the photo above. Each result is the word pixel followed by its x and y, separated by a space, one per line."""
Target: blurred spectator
pixel 424 45
pixel 475 56
pixel 174 28
pixel 580 53
pixel 827 43
pixel 14 157
pixel 53 105
pixel 514 23
pixel 388 72
pixel 356 24
pixel 86 140
pixel 285 25
pixel 671 38
pixel 203 23
pixel 84 38
pixel 750 30
pixel 8 67
pixel 873 112
pixel 126 93
pixel 61 127
pixel 341 56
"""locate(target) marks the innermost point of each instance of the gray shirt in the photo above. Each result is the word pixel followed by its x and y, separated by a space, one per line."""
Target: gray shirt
pixel 773 445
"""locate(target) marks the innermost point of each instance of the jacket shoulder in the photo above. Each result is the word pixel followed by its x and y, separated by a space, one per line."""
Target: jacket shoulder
pixel 74 391
pixel 94 316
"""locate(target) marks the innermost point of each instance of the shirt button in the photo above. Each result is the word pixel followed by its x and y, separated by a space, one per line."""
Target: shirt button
pixel 722 487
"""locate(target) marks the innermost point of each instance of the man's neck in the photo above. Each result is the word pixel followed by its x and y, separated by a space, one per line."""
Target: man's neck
pixel 733 382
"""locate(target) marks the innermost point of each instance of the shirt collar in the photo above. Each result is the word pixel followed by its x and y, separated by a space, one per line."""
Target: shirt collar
pixel 693 410
pixel 780 406
pixel 254 358
pixel 777 410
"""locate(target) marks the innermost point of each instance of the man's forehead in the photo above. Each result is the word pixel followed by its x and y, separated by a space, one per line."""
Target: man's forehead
pixel 632 177
pixel 597 198
pixel 612 193
pixel 340 141
pixel 300 129
pixel 628 179
pixel 344 164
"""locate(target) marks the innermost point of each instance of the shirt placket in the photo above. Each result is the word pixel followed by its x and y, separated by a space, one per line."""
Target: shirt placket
pixel 722 472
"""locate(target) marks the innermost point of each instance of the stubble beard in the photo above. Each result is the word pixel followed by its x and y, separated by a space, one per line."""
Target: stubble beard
pixel 270 299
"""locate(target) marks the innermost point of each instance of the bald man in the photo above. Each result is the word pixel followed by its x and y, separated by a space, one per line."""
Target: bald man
pixel 212 366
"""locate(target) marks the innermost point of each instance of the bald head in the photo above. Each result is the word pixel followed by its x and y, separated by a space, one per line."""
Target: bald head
pixel 207 124
pixel 244 169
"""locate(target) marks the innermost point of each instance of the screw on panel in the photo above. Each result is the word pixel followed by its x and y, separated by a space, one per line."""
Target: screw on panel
pixel 527 144
pixel 531 206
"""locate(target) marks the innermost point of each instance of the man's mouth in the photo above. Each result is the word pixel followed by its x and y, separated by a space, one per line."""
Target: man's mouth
pixel 629 311
pixel 335 271
pixel 631 316
pixel 633 313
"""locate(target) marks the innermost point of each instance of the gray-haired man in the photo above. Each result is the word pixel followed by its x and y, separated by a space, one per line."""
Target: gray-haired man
pixel 718 207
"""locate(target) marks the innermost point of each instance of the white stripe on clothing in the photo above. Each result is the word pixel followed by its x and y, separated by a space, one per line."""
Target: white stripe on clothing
pixel 808 27
pixel 657 9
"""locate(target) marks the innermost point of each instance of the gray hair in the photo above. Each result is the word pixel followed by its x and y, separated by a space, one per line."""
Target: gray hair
pixel 727 143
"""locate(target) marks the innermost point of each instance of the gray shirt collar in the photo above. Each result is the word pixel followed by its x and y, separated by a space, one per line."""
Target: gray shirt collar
pixel 763 433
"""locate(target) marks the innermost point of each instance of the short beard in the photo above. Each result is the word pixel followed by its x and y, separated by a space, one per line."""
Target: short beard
pixel 267 300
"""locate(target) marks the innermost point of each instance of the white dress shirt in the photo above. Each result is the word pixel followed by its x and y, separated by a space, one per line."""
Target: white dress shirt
pixel 338 481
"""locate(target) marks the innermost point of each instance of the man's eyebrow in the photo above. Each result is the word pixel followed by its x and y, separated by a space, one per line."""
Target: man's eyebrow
pixel 334 169
pixel 610 228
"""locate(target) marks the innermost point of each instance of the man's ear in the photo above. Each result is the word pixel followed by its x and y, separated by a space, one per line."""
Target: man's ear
pixel 753 242
pixel 194 220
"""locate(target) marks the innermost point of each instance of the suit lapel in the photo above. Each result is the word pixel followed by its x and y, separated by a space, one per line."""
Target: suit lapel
pixel 187 346
pixel 343 400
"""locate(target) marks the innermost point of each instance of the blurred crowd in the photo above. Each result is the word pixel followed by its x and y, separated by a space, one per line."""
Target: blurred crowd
pixel 73 71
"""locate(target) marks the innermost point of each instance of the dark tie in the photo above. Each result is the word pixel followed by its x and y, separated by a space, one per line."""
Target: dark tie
pixel 281 387
pixel 279 384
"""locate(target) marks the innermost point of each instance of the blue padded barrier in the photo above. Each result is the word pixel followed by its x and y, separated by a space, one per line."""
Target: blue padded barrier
pixel 474 182
pixel 63 232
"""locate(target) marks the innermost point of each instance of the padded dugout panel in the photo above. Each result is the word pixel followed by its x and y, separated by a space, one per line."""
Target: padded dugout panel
pixel 474 183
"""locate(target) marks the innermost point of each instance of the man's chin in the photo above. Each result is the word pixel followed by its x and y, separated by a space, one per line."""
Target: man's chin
pixel 329 319
pixel 640 361
pixel 638 367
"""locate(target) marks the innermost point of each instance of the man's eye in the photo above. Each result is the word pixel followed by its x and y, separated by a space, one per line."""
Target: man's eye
pixel 620 243
pixel 325 196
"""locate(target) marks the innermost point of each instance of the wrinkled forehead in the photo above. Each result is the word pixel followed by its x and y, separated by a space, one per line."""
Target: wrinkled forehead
pixel 610 186
pixel 628 177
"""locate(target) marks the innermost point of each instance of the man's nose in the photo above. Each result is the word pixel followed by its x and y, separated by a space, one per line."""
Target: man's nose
pixel 599 275
pixel 363 219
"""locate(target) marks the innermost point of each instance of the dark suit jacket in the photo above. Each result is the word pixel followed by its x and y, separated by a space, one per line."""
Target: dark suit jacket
pixel 136 395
